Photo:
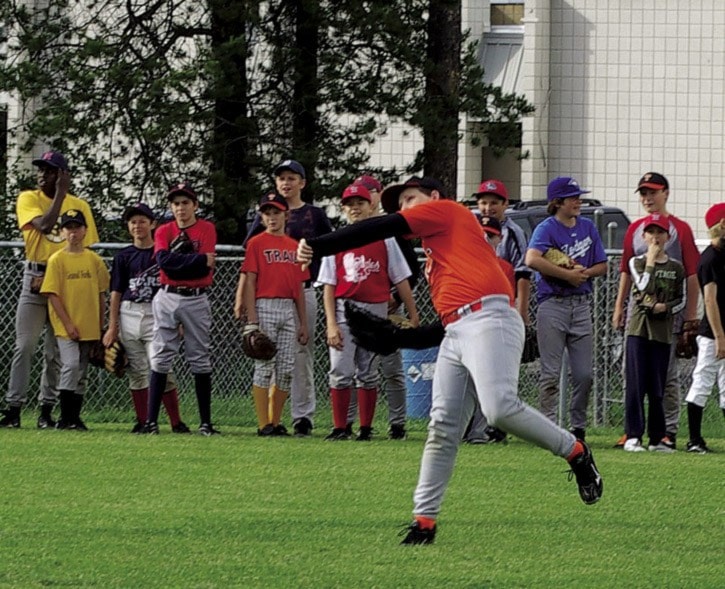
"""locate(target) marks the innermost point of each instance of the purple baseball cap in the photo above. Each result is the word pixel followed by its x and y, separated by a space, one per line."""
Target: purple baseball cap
pixel 564 187
pixel 54 159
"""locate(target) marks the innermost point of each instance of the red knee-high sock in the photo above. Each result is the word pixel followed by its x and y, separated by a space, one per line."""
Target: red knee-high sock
pixel 366 399
pixel 340 399
pixel 170 399
pixel 140 398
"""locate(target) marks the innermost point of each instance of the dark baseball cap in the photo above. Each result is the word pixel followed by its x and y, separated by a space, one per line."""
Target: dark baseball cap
pixel 654 181
pixel 491 225
pixel 184 188
pixel 55 159
pixel 273 199
pixel 494 187
pixel 73 216
pixel 369 182
pixel 292 166
pixel 391 195
pixel 564 187
pixel 138 209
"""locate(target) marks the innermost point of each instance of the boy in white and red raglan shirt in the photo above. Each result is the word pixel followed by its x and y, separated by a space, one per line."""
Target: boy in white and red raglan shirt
pixel 273 293
pixel 363 275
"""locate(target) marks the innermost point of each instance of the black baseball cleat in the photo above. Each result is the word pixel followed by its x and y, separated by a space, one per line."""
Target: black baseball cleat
pixel 11 417
pixel 151 428
pixel 64 424
pixel 587 476
pixel 397 432
pixel 45 419
pixel 698 447
pixel 266 431
pixel 365 434
pixel 579 433
pixel 337 434
pixel 495 435
pixel 207 429
pixel 280 431
pixel 180 428
pixel 79 425
pixel 414 534
pixel 137 428
pixel 303 428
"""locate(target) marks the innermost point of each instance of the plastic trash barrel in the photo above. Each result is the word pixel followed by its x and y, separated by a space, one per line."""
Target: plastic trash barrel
pixel 419 366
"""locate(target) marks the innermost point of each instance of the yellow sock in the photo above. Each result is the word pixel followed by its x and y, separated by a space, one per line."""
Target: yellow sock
pixel 261 404
pixel 278 400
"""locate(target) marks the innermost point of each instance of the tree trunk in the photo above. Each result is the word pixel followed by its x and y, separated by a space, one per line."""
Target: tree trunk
pixel 440 121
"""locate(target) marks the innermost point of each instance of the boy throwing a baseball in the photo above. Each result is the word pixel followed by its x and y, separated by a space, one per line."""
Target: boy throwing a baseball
pixel 273 291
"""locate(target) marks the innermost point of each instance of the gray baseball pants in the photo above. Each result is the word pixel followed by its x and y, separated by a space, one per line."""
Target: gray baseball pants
pixel 303 400
pixel 30 319
pixel 565 322
pixel 479 358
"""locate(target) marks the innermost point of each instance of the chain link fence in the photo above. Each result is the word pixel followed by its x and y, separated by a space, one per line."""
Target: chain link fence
pixel 108 398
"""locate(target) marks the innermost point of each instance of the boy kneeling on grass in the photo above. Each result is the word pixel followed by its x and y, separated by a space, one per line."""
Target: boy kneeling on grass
pixel 75 283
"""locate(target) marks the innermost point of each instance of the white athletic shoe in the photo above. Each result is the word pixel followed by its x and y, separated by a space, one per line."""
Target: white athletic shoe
pixel 633 445
pixel 663 448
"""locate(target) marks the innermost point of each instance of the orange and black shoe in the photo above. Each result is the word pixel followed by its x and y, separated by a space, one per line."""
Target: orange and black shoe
pixel 415 534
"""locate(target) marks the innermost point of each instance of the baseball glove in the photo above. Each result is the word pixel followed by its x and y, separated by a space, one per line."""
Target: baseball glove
pixel 686 341
pixel 382 336
pixel 531 346
pixel 112 359
pixel 181 244
pixel 559 258
pixel 256 344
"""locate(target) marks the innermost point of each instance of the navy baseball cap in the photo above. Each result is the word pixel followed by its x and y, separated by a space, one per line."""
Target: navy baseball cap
pixel 564 187
pixel 654 181
pixel 273 199
pixel 73 216
pixel 138 209
pixel 55 159
pixel 391 195
pixel 184 188
pixel 292 166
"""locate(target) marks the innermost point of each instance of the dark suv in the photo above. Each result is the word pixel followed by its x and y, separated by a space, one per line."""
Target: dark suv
pixel 611 222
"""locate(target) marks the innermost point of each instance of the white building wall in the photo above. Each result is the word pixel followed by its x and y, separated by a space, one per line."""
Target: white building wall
pixel 638 86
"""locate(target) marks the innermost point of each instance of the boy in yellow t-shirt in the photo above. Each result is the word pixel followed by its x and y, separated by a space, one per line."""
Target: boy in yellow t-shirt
pixel 75 283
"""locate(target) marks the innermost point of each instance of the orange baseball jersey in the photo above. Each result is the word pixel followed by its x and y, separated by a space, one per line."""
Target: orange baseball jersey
pixel 189 270
pixel 461 267
pixel 273 258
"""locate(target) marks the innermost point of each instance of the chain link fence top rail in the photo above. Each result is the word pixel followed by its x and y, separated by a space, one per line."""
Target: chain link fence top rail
pixel 108 398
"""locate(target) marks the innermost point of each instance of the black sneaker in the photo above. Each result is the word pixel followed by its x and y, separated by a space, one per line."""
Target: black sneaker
pixel 267 430
pixel 151 428
pixel 180 428
pixel 579 433
pixel 11 417
pixel 45 419
pixel 698 447
pixel 338 434
pixel 79 425
pixel 137 428
pixel 670 440
pixel 64 424
pixel 207 429
pixel 397 432
pixel 365 434
pixel 348 429
pixel 280 431
pixel 303 428
pixel 587 476
pixel 414 534
pixel 495 435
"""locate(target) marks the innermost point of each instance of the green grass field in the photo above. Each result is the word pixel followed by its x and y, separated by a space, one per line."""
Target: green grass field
pixel 107 509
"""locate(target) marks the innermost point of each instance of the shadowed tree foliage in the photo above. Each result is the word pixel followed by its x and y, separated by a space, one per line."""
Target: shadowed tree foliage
pixel 140 93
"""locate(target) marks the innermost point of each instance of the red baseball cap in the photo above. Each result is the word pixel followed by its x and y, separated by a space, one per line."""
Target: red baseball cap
pixel 658 220
pixel 491 225
pixel 715 214
pixel 369 182
pixel 357 190
pixel 495 187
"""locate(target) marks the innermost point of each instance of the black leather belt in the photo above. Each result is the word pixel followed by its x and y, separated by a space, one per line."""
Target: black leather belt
pixel 184 291
pixel 35 267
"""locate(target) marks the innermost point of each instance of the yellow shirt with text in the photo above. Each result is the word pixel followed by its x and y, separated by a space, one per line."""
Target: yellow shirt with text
pixel 39 246
pixel 78 279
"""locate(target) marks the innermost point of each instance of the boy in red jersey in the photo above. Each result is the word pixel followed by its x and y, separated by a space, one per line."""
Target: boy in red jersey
pixel 363 275
pixel 185 277
pixel 273 295
pixel 481 350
